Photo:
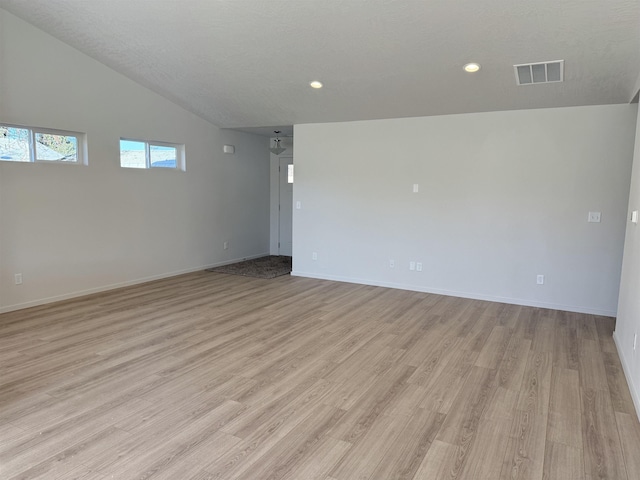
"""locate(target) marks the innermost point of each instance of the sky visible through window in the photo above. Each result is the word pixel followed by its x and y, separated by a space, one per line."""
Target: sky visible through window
pixel 133 155
pixel 130 145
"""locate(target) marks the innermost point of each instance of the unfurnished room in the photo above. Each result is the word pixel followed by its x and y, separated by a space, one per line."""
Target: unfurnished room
pixel 337 240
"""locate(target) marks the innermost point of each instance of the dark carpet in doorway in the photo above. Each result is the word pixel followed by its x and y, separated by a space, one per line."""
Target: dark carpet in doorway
pixel 263 267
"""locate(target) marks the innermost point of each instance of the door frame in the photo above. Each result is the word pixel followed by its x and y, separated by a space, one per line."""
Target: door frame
pixel 280 159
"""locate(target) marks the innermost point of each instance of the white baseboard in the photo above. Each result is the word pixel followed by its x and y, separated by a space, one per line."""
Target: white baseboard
pixel 452 293
pixel 633 389
pixel 113 286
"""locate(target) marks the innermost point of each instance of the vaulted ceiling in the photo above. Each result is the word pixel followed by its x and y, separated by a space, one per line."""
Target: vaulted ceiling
pixel 248 63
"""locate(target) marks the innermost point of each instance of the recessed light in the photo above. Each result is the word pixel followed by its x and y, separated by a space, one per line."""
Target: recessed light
pixel 316 84
pixel 471 67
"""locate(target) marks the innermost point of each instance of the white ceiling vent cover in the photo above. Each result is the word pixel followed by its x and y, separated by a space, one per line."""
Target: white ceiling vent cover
pixel 543 72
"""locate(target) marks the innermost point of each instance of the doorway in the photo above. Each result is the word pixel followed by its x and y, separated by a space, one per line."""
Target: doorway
pixel 285 211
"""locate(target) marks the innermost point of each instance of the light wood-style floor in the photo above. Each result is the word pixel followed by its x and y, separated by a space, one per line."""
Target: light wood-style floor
pixel 212 376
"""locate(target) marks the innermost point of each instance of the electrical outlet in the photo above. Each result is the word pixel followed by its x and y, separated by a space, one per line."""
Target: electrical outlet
pixel 314 256
pixel 419 266
pixel 226 245
pixel 412 265
pixel 540 279
pixel 392 264
pixel 594 217
pixel 18 278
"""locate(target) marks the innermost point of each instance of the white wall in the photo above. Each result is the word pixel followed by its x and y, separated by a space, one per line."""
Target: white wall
pixel 502 198
pixel 628 321
pixel 72 229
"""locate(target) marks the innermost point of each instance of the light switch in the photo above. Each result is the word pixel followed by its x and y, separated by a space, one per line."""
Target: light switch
pixel 416 188
pixel 298 205
pixel 594 217
pixel 634 216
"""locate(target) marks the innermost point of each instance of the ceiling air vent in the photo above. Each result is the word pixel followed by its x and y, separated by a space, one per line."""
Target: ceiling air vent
pixel 543 72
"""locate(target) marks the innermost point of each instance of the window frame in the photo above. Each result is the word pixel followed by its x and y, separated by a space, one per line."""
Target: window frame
pixel 81 139
pixel 179 147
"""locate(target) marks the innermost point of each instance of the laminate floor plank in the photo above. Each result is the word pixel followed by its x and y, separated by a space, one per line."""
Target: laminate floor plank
pixel 565 418
pixel 506 314
pixel 565 348
pixel 444 390
pixel 477 336
pixel 587 327
pixel 563 462
pixel 618 388
pixel 363 459
pixel 604 328
pixel 200 432
pixel 296 448
pixel 209 376
pixel 49 442
pixel 409 402
pixel 593 374
pixel 406 454
pixel 440 463
pixel 544 337
pixel 45 464
pixel 629 429
pixel 525 325
pixel 327 455
pixel 252 448
pixel 524 458
pixel 512 366
pixel 501 405
pixel 188 459
pixel 482 461
pixel 67 472
pixel 422 347
pixel 525 448
pixel 346 394
pixel 363 361
pixel 436 361
pixel 282 408
pixel 378 400
pixel 603 455
pixel 494 348
pixel 460 425
pixel 536 384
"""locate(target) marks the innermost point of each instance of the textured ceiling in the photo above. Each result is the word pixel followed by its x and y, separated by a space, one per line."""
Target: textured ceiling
pixel 248 63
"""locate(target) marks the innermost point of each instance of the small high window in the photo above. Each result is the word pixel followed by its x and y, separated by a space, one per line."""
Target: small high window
pixel 31 144
pixel 143 154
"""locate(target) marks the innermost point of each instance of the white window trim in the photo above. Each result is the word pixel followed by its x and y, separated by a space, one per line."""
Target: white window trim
pixel 81 144
pixel 180 156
